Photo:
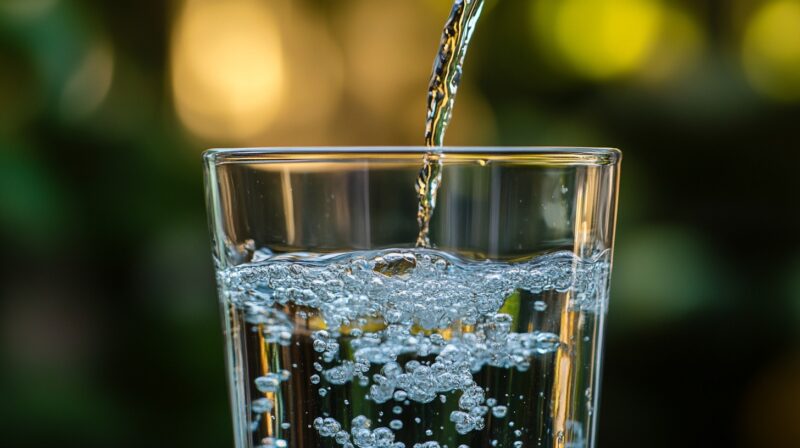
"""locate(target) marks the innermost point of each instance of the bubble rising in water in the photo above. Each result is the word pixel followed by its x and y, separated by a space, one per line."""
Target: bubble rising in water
pixel 499 411
pixel 268 383
pixel 261 405
pixel 272 442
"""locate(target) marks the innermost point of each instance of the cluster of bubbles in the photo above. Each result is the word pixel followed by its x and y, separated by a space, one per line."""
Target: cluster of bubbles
pixel 276 326
pixel 360 434
pixel 430 288
pixel 326 344
pixel 416 294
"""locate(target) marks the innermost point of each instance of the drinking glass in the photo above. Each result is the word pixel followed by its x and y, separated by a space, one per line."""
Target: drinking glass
pixel 340 332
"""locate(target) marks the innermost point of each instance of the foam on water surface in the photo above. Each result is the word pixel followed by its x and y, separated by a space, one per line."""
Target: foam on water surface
pixel 425 287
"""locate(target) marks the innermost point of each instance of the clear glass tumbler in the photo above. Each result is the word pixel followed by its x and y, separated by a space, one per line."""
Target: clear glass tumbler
pixel 340 332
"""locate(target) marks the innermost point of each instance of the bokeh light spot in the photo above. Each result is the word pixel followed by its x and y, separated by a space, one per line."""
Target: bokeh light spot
pixel 668 273
pixel 379 73
pixel 680 46
pixel 26 9
pixel 600 39
pixel 89 84
pixel 227 68
pixel 315 93
pixel 771 50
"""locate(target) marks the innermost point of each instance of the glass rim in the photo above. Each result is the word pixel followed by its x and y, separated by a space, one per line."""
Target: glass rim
pixel 560 155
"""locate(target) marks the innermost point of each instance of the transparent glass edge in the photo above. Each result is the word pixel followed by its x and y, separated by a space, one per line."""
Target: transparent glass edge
pixel 592 155
pixel 213 209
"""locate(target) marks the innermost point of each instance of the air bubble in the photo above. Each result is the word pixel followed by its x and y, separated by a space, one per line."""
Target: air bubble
pixel 268 383
pixel 499 411
pixel 271 442
pixel 261 405
pixel 327 427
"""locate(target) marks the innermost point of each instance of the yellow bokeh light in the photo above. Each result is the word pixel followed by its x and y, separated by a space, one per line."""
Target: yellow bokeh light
pixel 314 74
pixel 771 50
pixel 383 68
pixel 679 48
pixel 226 68
pixel 600 39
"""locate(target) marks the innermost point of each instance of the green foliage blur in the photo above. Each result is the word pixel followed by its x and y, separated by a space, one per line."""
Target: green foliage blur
pixel 109 332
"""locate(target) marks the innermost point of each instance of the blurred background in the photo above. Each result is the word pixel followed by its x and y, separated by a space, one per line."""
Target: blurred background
pixel 109 332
